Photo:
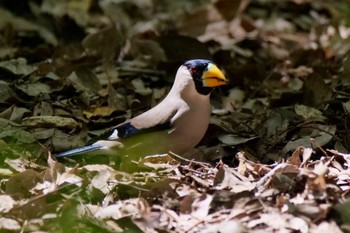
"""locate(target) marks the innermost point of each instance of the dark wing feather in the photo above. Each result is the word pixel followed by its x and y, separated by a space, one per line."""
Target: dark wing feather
pixel 127 129
pixel 156 119
pixel 79 150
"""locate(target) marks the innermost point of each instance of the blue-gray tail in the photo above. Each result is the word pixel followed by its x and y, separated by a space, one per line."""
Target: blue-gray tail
pixel 79 150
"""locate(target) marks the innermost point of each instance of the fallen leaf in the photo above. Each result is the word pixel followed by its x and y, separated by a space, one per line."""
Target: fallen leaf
pixel 9 224
pixel 50 121
pixel 6 203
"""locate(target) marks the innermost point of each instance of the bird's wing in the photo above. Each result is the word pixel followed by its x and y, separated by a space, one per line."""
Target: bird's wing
pixel 79 150
pixel 156 119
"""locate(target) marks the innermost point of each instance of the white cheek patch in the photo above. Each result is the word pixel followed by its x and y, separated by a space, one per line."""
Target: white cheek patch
pixel 114 135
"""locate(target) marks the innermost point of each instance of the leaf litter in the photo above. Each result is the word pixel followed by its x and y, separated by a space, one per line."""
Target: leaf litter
pixel 276 154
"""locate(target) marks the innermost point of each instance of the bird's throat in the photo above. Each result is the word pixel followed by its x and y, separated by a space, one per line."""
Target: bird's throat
pixel 201 89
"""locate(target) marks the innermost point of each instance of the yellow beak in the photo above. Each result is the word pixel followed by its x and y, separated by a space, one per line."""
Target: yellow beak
pixel 213 77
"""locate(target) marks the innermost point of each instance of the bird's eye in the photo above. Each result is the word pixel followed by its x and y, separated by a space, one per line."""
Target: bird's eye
pixel 193 70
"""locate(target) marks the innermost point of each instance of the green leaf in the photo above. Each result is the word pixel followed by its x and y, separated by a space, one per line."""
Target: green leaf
pixel 323 135
pixel 18 134
pixel 17 66
pixel 5 91
pixel 309 113
pixel 50 121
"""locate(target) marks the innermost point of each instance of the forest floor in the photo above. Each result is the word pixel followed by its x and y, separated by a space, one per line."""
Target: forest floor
pixel 275 157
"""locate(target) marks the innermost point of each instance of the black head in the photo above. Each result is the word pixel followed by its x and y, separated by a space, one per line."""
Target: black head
pixel 205 74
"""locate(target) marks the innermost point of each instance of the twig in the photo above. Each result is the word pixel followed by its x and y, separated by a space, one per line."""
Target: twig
pixel 182 159
pixel 313 141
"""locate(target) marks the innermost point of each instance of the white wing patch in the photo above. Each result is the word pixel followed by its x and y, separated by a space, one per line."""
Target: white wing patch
pixel 114 135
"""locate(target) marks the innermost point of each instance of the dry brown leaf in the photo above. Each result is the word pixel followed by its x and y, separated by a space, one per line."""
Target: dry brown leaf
pixel 9 224
pixel 101 181
pixel 6 203
pixel 295 158
pixel 229 226
pixel 126 208
pixel 325 227
pixel 101 111
pixel 227 178
pixel 201 206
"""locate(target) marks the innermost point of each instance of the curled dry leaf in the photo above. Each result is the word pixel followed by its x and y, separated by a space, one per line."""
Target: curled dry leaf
pixel 228 178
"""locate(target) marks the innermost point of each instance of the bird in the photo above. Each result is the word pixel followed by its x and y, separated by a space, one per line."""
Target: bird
pixel 177 124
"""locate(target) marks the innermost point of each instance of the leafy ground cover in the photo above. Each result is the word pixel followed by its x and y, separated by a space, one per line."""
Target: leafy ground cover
pixel 276 154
